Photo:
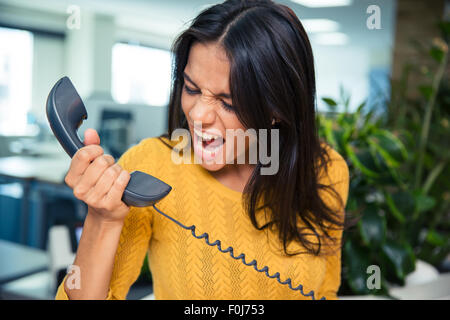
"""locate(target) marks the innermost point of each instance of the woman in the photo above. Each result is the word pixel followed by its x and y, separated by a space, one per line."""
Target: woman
pixel 241 65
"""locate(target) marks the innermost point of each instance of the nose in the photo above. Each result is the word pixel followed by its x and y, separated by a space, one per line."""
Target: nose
pixel 203 111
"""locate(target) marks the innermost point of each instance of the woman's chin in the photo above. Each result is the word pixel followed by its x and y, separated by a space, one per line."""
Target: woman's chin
pixel 211 163
pixel 212 166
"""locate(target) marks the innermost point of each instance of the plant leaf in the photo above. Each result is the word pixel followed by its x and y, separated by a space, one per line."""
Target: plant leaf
pixel 357 262
pixel 393 208
pixel 389 146
pixel 401 258
pixel 424 202
pixel 372 226
pixel 437 54
pixel 436 239
pixel 327 127
pixel 445 27
pixel 426 91
pixel 361 106
pixel 357 161
pixel 330 103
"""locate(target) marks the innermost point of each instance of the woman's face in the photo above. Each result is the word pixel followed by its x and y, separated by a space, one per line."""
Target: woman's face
pixel 207 105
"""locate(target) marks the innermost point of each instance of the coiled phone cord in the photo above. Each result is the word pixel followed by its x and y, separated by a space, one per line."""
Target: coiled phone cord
pixel 241 257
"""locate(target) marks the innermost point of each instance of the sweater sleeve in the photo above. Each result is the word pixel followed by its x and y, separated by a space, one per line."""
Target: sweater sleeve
pixel 338 178
pixel 133 243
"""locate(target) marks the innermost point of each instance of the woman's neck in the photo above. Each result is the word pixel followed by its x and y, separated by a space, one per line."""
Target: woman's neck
pixel 234 176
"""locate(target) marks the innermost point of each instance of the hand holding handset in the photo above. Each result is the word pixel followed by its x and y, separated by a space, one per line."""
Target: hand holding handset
pixel 65 113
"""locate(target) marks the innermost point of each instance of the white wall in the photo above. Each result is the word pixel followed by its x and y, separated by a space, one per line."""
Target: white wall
pixel 350 70
pixel 48 66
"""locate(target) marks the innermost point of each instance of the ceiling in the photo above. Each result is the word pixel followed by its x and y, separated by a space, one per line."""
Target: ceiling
pixel 168 17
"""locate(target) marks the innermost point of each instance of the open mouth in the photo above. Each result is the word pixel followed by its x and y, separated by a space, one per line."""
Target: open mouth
pixel 209 140
pixel 207 144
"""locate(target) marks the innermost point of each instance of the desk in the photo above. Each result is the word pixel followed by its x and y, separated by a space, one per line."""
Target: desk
pixel 40 177
pixel 48 169
pixel 18 261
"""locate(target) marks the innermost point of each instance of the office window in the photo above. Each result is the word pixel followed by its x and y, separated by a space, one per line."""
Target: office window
pixel 16 58
pixel 141 74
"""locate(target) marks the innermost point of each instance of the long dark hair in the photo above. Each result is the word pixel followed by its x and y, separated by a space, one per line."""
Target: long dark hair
pixel 271 76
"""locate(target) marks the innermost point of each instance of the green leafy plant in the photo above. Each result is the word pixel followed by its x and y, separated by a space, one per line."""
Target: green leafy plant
pixel 373 154
pixel 394 188
pixel 420 113
pixel 398 188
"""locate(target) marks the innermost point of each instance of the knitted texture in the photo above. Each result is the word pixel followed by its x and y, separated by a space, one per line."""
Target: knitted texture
pixel 184 267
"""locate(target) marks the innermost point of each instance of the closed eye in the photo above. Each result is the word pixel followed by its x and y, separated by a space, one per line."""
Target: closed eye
pixel 227 106
pixel 190 91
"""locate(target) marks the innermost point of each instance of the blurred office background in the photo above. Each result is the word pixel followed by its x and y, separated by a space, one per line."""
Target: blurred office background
pixel 117 54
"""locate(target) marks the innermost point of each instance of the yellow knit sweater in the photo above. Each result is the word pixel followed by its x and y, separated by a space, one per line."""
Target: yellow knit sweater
pixel 184 267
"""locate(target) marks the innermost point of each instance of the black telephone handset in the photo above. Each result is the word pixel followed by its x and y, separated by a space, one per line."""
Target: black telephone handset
pixel 65 113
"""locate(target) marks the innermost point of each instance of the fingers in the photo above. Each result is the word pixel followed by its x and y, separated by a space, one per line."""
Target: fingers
pixel 97 192
pixel 91 137
pixel 107 193
pixel 80 162
pixel 92 174
pixel 98 181
pixel 114 196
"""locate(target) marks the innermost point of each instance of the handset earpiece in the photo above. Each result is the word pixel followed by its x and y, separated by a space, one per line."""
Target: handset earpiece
pixel 65 113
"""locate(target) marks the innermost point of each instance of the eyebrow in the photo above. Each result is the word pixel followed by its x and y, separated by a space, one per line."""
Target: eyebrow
pixel 223 95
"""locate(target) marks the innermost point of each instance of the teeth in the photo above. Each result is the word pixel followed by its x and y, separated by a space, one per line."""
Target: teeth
pixel 205 136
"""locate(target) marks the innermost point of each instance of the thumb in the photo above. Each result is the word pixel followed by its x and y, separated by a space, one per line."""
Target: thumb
pixel 91 137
